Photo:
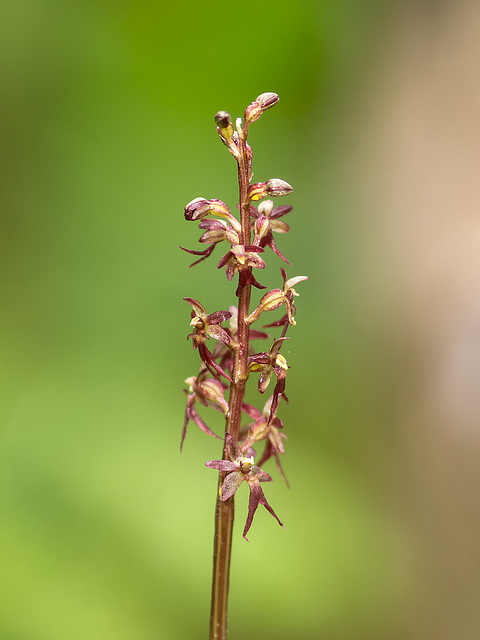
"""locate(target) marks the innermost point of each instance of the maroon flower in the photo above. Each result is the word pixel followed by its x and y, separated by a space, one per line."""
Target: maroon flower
pixel 241 467
pixel 276 297
pixel 224 354
pixel 266 221
pixel 267 364
pixel 208 326
pixel 215 231
pixel 240 258
pixel 199 208
pixel 218 230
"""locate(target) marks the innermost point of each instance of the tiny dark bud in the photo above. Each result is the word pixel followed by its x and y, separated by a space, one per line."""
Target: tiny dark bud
pixel 225 131
pixel 223 119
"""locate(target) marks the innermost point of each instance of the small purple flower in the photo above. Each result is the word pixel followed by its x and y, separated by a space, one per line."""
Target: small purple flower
pixel 224 354
pixel 266 221
pixel 276 297
pixel 269 363
pixel 238 468
pixel 239 258
pixel 215 231
pixel 208 326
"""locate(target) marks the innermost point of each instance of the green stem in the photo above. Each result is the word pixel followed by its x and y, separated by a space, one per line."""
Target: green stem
pixel 224 512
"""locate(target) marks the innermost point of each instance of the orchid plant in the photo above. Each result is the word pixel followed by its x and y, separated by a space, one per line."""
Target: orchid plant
pixel 229 364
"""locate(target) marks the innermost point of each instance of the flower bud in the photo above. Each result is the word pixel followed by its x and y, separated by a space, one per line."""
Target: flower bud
pixel 273 188
pixel 225 129
pixel 192 209
pixel 223 119
pixel 267 100
pixel 277 187
pixel 257 107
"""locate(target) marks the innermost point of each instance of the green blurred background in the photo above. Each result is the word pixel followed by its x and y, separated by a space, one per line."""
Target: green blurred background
pixel 107 131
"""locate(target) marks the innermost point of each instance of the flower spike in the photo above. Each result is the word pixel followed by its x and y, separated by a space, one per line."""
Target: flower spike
pixel 227 367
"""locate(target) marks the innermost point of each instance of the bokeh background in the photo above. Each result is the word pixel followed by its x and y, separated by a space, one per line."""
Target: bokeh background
pixel 106 132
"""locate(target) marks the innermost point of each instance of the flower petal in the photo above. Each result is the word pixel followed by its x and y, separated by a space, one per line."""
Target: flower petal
pixel 280 211
pixel 224 259
pixel 258 335
pixel 212 236
pixel 251 411
pixel 218 333
pixel 256 498
pixel 205 254
pixel 273 247
pixel 191 414
pixel 231 483
pixel 279 226
pixel 222 465
pixel 213 225
pixel 218 316
pixel 197 307
pixel 214 368
pixel 202 425
pixel 291 282
pixel 264 380
pixel 233 450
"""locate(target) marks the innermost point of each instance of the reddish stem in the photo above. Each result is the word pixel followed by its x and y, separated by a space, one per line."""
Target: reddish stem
pixel 224 512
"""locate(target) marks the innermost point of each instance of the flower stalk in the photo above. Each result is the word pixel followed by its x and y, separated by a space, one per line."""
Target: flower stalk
pixel 233 358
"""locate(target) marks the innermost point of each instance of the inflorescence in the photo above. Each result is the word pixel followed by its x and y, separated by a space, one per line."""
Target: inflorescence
pixel 223 367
